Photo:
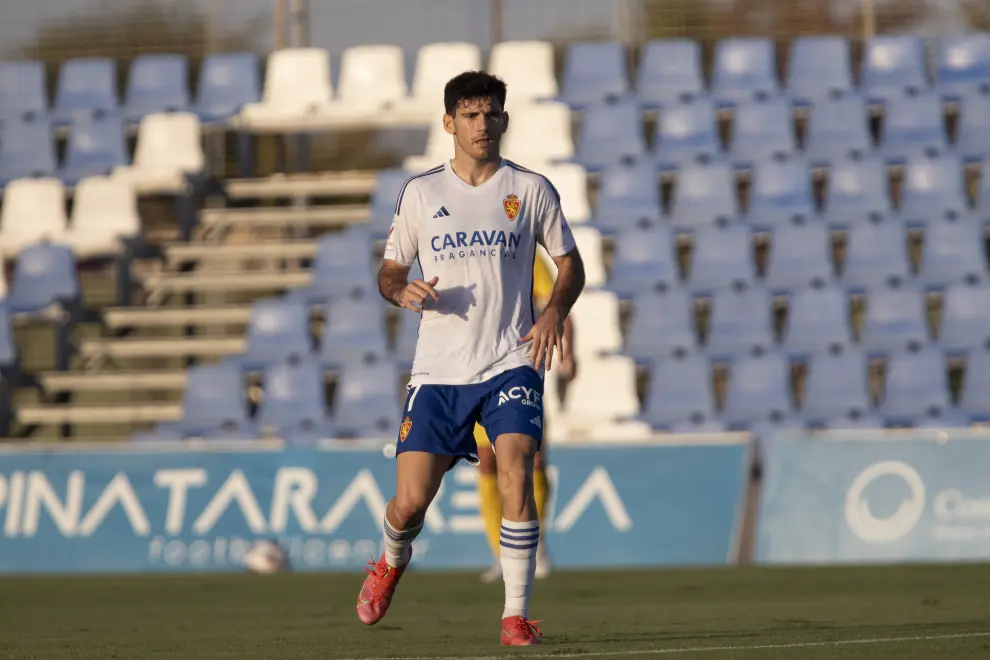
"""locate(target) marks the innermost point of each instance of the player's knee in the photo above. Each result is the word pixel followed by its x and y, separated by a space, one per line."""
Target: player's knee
pixel 409 508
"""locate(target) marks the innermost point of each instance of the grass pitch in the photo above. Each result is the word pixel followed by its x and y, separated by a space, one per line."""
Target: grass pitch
pixel 735 614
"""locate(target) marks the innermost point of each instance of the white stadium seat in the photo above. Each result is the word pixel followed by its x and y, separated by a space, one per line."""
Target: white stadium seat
pixel 371 78
pixel 527 68
pixel 542 133
pixel 604 391
pixel 439 149
pixel 435 65
pixel 596 324
pixel 297 88
pixel 105 210
pixel 589 244
pixel 33 211
pixel 571 182
pixel 168 148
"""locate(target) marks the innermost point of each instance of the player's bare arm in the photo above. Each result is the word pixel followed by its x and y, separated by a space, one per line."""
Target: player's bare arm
pixel 395 287
pixel 547 334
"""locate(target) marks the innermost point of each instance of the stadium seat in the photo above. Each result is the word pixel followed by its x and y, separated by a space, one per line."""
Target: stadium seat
pixel 27 149
pixel 817 317
pixel 704 195
pixel 8 348
pixel 875 251
pixel 744 68
pixel 603 391
pixel 722 256
pixel 965 319
pixel 104 215
pixel 895 317
pixel 643 256
pixel 912 126
pixel 23 92
pixel 297 87
pixel 761 129
pixel 44 275
pixel 740 321
pixel 669 72
pixel 973 125
pixel 156 83
pixel 983 193
pixel 836 385
pixel 917 384
pixel 857 188
pixel 277 331
pixel 680 391
pixel 97 146
pixel 293 406
pixel 661 321
pixel 699 425
pixel 800 252
pixel 609 132
pixel 953 249
pixel 439 149
pixel 963 64
pixel 851 422
pixel 974 395
pixel 571 182
pixel 354 332
pixel 596 312
pixel 365 404
pixel 542 134
pixel 227 83
pixel 931 188
pixel 774 423
pixel 890 65
pixel 168 151
pixel 686 132
pixel 384 198
pixel 818 67
pixel 940 419
pixel 214 404
pixel 86 86
pixel 780 192
pixel 593 72
pixel 342 267
pixel 527 67
pixel 589 243
pixel 759 388
pixel 437 63
pixel 372 78
pixel 628 192
pixel 837 126
pixel 33 211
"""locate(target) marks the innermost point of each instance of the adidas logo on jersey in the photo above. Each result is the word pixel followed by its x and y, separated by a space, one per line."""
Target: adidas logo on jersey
pixel 442 213
pixel 537 422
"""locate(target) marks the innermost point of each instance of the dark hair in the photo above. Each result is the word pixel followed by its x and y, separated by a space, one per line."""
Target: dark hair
pixel 472 85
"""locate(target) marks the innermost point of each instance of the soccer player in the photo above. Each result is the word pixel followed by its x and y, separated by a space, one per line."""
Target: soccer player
pixel 474 224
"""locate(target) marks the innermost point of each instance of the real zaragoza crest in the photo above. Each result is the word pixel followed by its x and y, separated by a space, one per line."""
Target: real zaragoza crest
pixel 511 205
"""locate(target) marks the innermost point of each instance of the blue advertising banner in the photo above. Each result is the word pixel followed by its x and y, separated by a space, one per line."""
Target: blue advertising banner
pixel 145 508
pixel 871 497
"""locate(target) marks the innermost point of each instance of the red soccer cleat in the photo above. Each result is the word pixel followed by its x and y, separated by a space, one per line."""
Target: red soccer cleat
pixel 517 631
pixel 377 591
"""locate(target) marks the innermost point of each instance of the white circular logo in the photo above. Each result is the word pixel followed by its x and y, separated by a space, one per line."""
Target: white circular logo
pixel 868 527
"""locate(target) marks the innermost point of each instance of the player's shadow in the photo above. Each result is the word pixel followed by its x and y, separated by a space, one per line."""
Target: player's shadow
pixel 457 300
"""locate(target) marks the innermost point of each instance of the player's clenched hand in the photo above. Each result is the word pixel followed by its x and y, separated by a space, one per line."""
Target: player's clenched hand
pixel 547 335
pixel 416 293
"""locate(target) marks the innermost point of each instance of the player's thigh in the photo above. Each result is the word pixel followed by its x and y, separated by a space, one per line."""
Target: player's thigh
pixel 418 478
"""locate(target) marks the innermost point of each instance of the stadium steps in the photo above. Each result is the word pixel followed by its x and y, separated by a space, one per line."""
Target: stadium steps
pixel 302 185
pixel 69 381
pixel 95 351
pixel 158 285
pixel 139 413
pixel 167 317
pixel 339 215
pixel 176 253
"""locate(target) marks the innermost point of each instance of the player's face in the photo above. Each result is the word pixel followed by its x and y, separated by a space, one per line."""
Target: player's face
pixel 477 127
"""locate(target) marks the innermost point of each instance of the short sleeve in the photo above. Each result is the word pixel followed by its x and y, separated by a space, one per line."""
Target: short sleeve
pixel 402 244
pixel 552 231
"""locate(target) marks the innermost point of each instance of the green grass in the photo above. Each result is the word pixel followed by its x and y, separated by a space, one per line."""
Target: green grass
pixel 594 615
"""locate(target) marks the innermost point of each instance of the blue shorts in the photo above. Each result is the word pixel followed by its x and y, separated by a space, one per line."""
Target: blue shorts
pixel 440 419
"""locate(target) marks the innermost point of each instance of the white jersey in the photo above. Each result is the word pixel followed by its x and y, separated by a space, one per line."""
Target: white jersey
pixel 480 241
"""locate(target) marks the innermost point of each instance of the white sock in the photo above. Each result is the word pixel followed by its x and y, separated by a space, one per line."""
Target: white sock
pixel 518 558
pixel 398 543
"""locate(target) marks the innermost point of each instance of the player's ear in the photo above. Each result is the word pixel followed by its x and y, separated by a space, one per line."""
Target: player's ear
pixel 505 121
pixel 448 124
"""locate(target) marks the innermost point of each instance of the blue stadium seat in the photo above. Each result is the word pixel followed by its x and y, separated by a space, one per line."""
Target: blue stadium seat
pixel 890 64
pixel 627 193
pixel 227 82
pixel 983 193
pixel 912 126
pixel 680 391
pixel 699 424
pixel 156 83
pixel 365 404
pixel 669 69
pixel 761 129
pixel 406 336
pixel 213 405
pixel 744 68
pixel 875 251
pixel 662 320
pixel 741 320
pixel 895 317
pixel 801 251
pixel 277 331
pixel 973 125
pixel 917 385
pixel 643 257
pixel 8 348
pixel 704 194
pixel 817 317
pixel 818 67
pixel 773 423
pixel 940 419
pixel 27 150
pixel 759 388
pixel 97 145
pixel 837 126
pixel 963 64
pixel 686 132
pixel 780 191
pixel 953 249
pixel 857 188
pixel 610 132
pixel 723 255
pixel 932 187
pixel 974 396
pixel 837 386
pixel 384 198
pixel 342 267
pixel 293 406
pixel 856 421
pixel 22 91
pixel 44 275
pixel 965 321
pixel 86 86
pixel 354 332
pixel 594 71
